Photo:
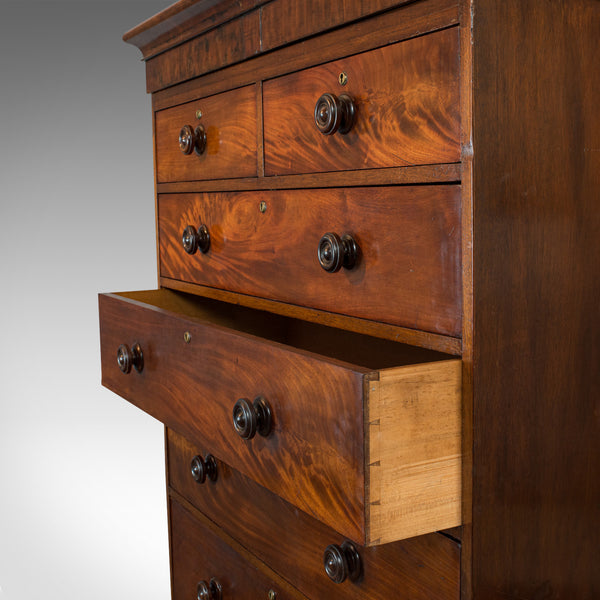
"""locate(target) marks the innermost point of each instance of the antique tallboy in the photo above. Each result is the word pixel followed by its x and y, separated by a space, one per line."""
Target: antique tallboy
pixel 375 342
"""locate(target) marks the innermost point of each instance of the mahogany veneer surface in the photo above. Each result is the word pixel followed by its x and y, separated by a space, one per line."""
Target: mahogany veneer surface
pixel 406 98
pixel 292 543
pixel 231 138
pixel 408 273
pixel 314 456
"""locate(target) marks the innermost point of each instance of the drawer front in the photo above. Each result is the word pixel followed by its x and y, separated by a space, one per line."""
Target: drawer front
pixel 314 454
pixel 229 121
pixel 266 244
pixel 406 100
pixel 293 544
pixel 200 555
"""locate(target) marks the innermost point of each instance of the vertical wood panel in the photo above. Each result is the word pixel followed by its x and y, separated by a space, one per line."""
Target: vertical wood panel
pixel 536 490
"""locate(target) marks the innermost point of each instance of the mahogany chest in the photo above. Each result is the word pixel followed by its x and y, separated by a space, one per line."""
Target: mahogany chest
pixel 353 343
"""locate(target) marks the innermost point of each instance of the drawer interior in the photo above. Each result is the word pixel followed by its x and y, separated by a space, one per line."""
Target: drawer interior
pixel 360 350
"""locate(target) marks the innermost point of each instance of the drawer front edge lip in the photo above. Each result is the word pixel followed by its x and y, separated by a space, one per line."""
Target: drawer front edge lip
pixel 116 297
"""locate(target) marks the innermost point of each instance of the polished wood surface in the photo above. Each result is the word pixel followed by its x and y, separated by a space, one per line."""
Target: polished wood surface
pixel 413 451
pixel 314 455
pixel 536 287
pixel 206 53
pixel 407 21
pixel 289 20
pixel 184 20
pixel 231 138
pixel 197 554
pixel 406 98
pixel 409 237
pixel 448 173
pixel 293 543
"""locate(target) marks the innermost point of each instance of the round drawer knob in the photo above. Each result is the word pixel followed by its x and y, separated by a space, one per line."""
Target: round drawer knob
pixel 202 468
pixel 192 140
pixel 334 114
pixel 193 239
pixel 209 591
pixel 127 358
pixel 342 562
pixel 248 419
pixel 335 252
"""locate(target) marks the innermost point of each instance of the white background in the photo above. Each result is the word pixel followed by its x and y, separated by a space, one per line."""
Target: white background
pixel 82 496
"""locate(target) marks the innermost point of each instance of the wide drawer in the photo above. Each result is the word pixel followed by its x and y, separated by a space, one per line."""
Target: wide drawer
pixel 229 123
pixel 199 557
pixel 406 101
pixel 407 271
pixel 293 544
pixel 364 435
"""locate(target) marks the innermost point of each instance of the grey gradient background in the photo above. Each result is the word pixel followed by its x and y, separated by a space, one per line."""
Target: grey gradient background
pixel 82 498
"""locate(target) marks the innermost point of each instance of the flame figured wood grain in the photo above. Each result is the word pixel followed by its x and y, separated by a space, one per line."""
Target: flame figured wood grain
pixel 406 97
pixel 231 138
pixel 314 454
pixel 199 554
pixel 408 273
pixel 324 408
pixel 420 568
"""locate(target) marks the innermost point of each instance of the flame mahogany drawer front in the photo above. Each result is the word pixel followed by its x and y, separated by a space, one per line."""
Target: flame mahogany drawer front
pixel 206 568
pixel 405 100
pixel 361 433
pixel 294 544
pixel 209 138
pixel 270 244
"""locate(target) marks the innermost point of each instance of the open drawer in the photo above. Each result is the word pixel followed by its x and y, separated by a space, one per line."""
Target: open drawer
pixel 360 433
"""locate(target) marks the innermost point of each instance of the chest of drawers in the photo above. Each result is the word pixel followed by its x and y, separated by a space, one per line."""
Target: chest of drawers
pixel 323 328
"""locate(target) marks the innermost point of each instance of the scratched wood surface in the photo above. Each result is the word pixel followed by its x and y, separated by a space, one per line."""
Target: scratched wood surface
pixel 406 97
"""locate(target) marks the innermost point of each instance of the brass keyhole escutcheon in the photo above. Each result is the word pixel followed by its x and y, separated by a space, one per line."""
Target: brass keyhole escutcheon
pixel 187 337
pixel 198 114
pixel 262 206
pixel 343 78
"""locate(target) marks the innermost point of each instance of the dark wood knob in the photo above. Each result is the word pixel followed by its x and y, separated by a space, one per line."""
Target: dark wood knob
pixel 209 591
pixel 248 419
pixel 192 140
pixel 334 114
pixel 335 252
pixel 342 562
pixel 194 239
pixel 202 468
pixel 127 358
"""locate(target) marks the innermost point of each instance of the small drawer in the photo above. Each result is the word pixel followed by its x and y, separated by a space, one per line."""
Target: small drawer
pixel 407 267
pixel 390 107
pixel 209 138
pixel 205 567
pixel 294 544
pixel 361 433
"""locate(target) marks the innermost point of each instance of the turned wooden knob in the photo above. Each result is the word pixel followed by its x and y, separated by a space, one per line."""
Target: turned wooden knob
pixel 201 468
pixel 192 140
pixel 193 239
pixel 342 562
pixel 130 357
pixel 335 252
pixel 209 590
pixel 334 114
pixel 250 419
